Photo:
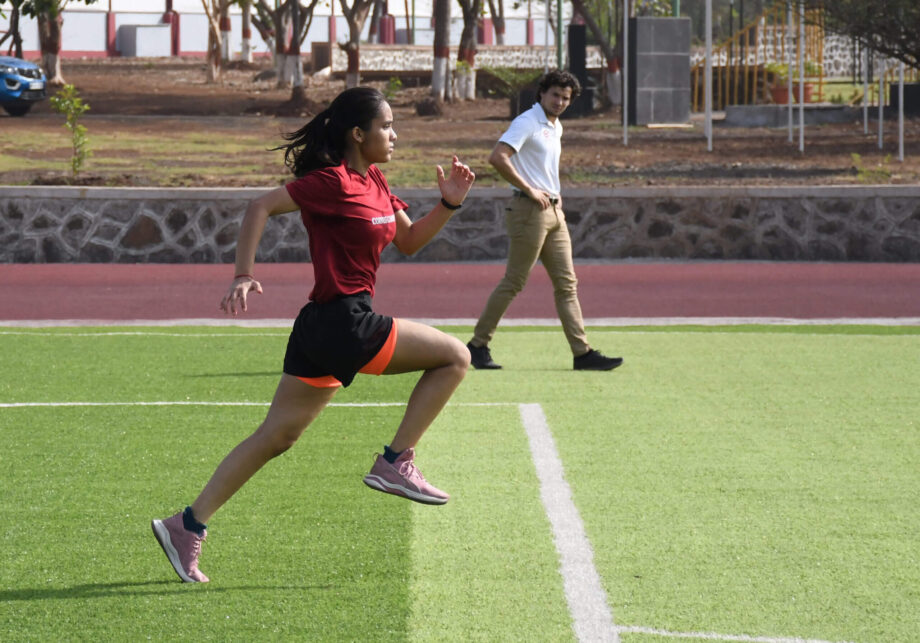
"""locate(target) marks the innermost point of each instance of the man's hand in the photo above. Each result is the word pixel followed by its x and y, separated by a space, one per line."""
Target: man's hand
pixel 541 197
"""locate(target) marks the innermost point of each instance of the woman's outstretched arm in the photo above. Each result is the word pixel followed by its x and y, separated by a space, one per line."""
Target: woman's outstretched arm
pixel 275 202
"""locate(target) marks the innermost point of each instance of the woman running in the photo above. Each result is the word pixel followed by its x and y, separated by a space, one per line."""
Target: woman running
pixel 350 216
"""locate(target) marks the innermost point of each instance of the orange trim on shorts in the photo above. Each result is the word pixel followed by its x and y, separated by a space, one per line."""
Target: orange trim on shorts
pixel 323 381
pixel 381 360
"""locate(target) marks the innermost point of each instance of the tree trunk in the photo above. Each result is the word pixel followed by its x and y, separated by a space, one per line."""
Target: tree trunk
pixel 282 21
pixel 264 22
pixel 246 52
pixel 225 30
pixel 298 95
pixel 466 83
pixel 441 71
pixel 372 36
pixel 214 67
pixel 355 15
pixel 499 24
pixel 212 11
pixel 606 49
pixel 13 34
pixel 353 72
pixel 498 20
pixel 466 54
pixel 49 36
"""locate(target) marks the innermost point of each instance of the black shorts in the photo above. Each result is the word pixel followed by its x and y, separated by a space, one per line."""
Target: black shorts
pixel 338 339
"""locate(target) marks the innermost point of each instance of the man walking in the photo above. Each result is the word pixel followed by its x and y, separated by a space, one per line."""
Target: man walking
pixel 527 156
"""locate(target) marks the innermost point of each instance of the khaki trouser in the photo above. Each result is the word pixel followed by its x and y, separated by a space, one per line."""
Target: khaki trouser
pixel 536 234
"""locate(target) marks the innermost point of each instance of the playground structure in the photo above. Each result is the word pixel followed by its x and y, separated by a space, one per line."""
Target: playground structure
pixel 759 57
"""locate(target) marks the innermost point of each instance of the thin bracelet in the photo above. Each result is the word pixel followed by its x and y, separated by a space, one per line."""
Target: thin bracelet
pixel 449 206
pixel 245 274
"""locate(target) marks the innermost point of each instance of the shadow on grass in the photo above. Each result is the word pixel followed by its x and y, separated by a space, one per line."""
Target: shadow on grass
pixel 141 588
pixel 249 374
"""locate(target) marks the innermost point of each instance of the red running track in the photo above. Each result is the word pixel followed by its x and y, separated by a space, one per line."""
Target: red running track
pixel 609 292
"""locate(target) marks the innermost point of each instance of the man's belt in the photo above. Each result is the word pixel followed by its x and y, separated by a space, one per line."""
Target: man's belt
pixel 554 200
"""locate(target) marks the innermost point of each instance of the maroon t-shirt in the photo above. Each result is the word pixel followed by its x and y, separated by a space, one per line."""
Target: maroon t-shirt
pixel 349 219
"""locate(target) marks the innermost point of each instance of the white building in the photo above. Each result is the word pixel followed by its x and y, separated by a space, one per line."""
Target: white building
pixel 137 28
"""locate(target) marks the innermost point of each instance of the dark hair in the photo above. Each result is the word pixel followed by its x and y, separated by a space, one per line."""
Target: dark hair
pixel 321 142
pixel 558 78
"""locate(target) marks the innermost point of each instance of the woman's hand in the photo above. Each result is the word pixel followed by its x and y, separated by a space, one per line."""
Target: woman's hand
pixel 457 184
pixel 236 294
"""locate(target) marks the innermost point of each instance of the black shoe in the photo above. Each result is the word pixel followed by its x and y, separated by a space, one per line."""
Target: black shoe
pixel 481 357
pixel 596 361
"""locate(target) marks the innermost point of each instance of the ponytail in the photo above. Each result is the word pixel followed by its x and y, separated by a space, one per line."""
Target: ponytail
pixel 321 142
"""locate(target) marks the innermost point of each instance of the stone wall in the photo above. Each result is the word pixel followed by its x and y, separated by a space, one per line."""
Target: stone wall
pixel 376 58
pixel 837 56
pixel 191 225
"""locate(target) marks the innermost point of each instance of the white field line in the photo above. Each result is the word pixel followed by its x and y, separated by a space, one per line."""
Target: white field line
pixel 713 636
pixel 592 619
pixel 14 405
pixel 588 603
pixel 587 600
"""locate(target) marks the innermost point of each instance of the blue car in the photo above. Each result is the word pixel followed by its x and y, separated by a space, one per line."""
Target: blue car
pixel 22 84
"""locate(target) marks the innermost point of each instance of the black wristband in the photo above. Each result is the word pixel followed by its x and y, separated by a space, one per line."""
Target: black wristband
pixel 450 206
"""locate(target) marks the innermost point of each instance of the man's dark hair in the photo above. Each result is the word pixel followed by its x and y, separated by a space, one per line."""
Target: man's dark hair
pixel 558 78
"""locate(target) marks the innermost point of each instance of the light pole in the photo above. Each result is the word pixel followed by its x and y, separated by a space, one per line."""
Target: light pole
pixel 559 34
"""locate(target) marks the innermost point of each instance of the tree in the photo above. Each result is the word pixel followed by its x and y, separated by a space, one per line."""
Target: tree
pixel 48 13
pixel 373 30
pixel 655 8
pixel 466 54
pixel 440 75
pixel 12 33
pixel 281 20
pixel 264 22
pixel 497 10
pixel 50 23
pixel 224 23
pixel 246 50
pixel 213 9
pixel 273 25
pixel 594 16
pixel 890 27
pixel 355 16
pixel 298 94
pixel 595 28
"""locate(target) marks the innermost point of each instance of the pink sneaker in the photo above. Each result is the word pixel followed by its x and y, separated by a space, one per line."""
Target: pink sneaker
pixel 182 547
pixel 402 478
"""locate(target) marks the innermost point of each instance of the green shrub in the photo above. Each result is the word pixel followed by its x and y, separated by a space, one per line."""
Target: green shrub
pixel 780 71
pixel 512 80
pixel 68 102
pixel 881 173
pixel 394 85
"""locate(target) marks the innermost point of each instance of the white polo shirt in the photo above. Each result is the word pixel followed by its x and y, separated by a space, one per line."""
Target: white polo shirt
pixel 537 144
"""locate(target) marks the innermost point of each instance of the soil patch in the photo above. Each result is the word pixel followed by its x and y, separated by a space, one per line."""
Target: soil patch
pixel 130 92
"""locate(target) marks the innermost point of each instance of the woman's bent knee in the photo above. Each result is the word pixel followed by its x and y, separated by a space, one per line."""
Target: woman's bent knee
pixel 424 348
pixel 454 359
pixel 459 355
pixel 275 440
pixel 453 355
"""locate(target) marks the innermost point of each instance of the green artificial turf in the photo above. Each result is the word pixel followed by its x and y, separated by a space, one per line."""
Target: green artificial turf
pixel 755 481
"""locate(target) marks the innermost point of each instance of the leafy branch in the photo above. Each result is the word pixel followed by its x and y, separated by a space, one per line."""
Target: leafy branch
pixel 68 102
